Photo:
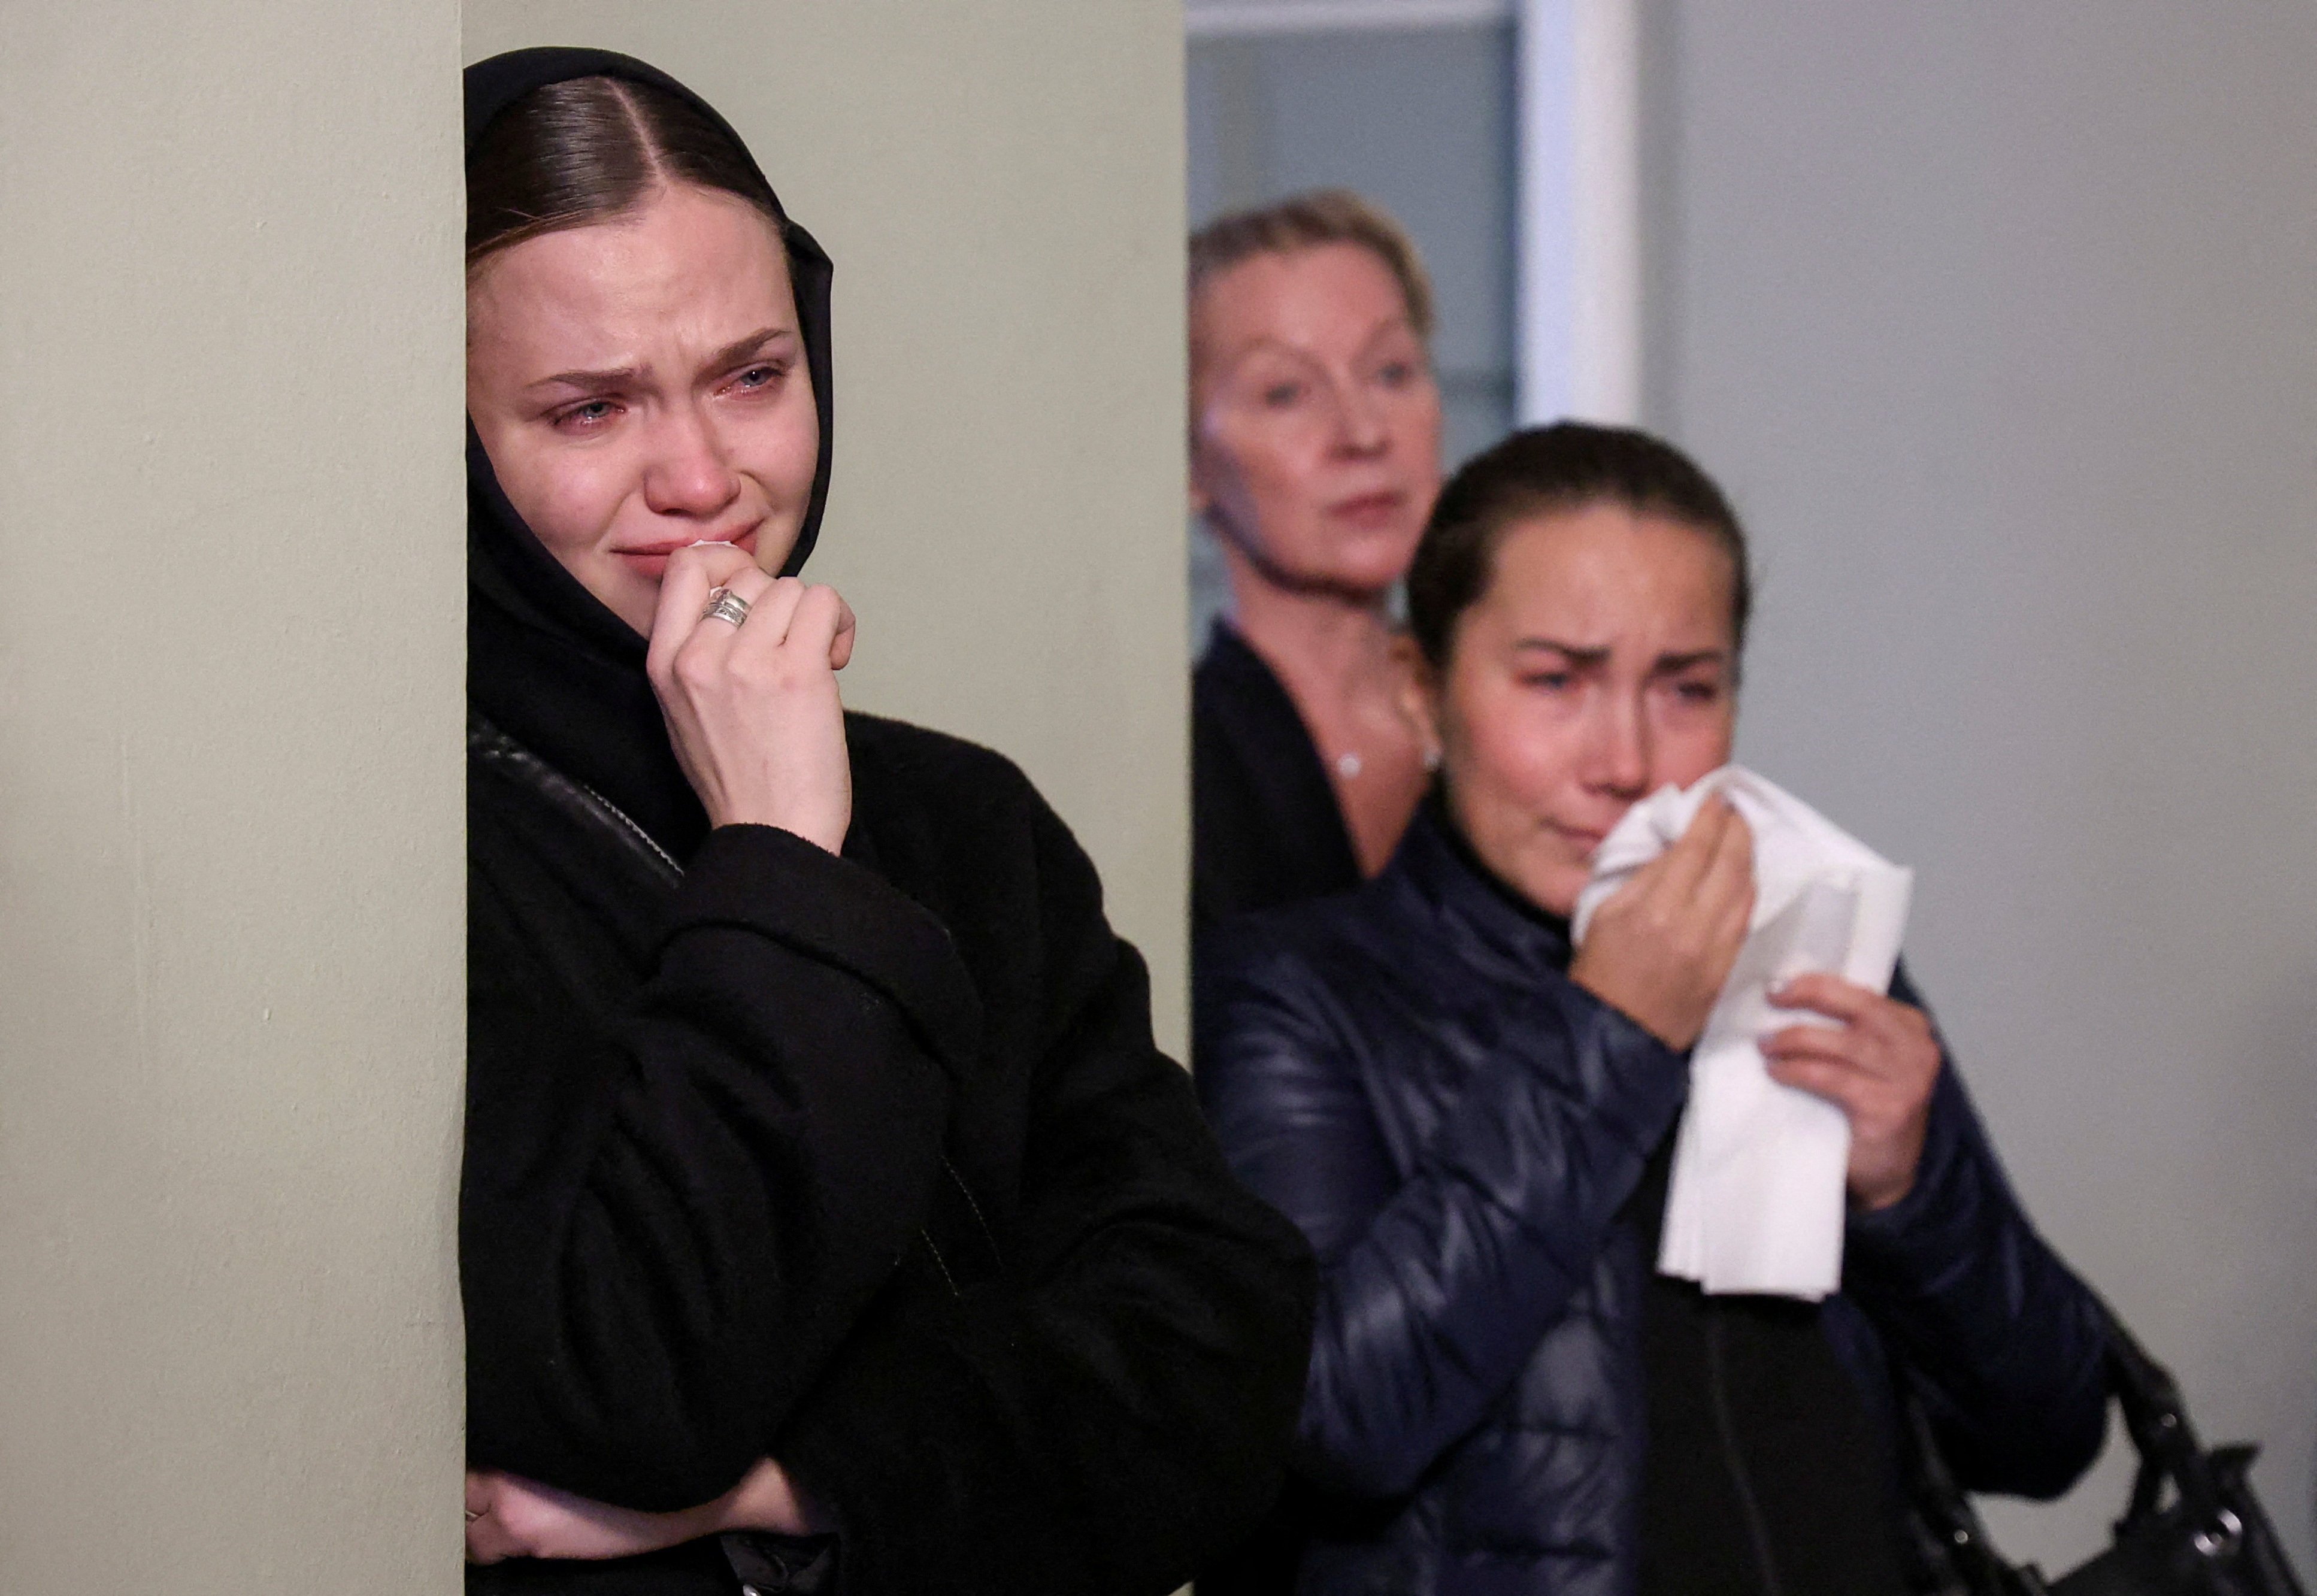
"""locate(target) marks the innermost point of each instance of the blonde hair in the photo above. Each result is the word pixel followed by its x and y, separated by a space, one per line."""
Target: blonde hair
pixel 1305 222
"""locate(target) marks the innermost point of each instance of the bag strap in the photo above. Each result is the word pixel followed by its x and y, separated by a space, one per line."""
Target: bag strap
pixel 2157 1419
pixel 2154 1416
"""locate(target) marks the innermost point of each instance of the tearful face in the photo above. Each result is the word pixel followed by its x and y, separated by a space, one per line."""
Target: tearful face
pixel 640 384
pixel 1599 665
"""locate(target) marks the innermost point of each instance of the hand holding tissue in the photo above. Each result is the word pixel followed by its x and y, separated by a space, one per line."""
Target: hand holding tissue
pixel 1755 1200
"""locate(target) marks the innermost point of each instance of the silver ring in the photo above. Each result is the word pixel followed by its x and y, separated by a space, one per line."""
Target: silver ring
pixel 724 605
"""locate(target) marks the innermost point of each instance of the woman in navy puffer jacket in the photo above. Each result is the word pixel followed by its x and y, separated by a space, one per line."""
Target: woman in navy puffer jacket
pixel 1474 1130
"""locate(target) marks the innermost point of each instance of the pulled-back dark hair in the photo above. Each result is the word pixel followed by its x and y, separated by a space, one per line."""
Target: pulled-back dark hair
pixel 1544 469
pixel 588 150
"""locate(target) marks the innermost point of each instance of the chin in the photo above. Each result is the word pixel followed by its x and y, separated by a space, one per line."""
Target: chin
pixel 1559 902
pixel 1378 574
pixel 634 599
pixel 1366 565
pixel 1554 887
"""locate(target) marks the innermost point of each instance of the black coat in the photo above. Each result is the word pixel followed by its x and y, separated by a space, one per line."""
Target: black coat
pixel 867 1163
pixel 1459 1129
pixel 1265 827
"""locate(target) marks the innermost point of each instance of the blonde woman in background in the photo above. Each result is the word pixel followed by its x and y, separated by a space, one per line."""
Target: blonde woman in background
pixel 1315 458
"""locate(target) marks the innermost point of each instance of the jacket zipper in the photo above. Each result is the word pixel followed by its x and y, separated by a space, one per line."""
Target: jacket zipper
pixel 619 814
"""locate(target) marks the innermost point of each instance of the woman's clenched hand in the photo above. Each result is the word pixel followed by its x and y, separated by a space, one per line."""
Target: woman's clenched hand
pixel 1659 949
pixel 753 709
pixel 1877 1064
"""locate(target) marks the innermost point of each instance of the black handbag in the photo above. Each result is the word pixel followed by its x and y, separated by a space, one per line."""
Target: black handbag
pixel 2192 1526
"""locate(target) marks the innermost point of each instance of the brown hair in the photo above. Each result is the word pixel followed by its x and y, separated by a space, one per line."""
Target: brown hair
pixel 1567 466
pixel 588 150
pixel 1305 222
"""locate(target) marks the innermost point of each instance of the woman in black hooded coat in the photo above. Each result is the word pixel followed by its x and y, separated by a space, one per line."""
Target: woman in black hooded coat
pixel 830 1219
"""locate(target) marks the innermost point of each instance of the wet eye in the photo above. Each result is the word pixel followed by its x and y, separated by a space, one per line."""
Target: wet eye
pixel 583 417
pixel 757 377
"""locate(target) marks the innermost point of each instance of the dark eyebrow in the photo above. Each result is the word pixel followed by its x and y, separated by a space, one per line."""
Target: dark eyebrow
pixel 618 377
pixel 1584 658
pixel 737 350
pixel 1594 658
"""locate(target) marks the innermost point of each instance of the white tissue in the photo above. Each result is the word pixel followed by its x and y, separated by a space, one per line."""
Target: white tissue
pixel 1755 1200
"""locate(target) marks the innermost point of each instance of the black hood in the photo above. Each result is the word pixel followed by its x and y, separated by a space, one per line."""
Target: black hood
pixel 546 661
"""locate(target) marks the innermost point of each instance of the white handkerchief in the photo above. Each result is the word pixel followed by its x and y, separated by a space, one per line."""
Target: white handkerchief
pixel 1756 1199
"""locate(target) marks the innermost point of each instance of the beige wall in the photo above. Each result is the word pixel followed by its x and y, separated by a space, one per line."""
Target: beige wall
pixel 230 797
pixel 1001 183
pixel 2001 321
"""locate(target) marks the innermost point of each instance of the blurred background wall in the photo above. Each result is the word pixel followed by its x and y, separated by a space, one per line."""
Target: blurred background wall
pixel 1000 184
pixel 2001 323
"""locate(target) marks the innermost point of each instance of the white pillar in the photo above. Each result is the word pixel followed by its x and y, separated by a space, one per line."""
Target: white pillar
pixel 1578 232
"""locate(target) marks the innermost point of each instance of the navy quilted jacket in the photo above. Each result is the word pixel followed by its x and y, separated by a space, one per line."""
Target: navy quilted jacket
pixel 1408 1074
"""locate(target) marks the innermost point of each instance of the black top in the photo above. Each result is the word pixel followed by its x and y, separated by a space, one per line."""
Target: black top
pixel 1265 827
pixel 867 1163
pixel 1765 1473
